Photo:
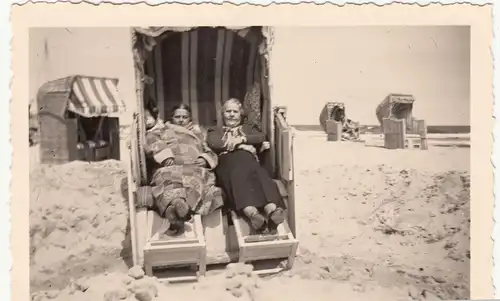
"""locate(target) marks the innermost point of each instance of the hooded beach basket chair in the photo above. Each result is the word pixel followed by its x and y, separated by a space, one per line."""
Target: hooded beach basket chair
pixel 400 128
pixel 203 67
pixel 69 106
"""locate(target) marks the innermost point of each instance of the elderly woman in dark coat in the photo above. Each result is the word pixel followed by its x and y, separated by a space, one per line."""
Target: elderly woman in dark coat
pixel 248 188
pixel 183 180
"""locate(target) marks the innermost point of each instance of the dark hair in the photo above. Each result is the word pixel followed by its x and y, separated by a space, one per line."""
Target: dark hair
pixel 151 108
pixel 181 106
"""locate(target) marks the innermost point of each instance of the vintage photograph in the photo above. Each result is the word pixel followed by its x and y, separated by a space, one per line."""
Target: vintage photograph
pixel 168 163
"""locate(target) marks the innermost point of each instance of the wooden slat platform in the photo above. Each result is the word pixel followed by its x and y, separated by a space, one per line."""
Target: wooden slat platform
pixel 162 250
pixel 221 238
pixel 254 247
pixel 218 241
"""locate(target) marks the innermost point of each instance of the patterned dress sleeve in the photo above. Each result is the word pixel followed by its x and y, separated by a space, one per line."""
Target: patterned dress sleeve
pixel 207 154
pixel 198 132
pixel 159 147
pixel 214 140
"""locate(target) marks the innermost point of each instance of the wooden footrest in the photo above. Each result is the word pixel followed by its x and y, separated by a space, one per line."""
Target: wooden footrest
pixel 254 247
pixel 409 142
pixel 162 250
pixel 412 143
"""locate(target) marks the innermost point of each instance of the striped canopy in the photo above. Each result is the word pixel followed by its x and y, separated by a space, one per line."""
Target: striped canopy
pixel 87 96
pixel 95 96
pixel 203 67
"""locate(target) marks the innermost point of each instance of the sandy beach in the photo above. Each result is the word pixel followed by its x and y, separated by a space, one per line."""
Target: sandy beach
pixel 372 223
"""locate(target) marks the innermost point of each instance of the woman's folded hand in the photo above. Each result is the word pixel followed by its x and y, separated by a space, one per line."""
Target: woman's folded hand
pixel 201 162
pixel 169 162
pixel 233 142
pixel 265 146
pixel 248 148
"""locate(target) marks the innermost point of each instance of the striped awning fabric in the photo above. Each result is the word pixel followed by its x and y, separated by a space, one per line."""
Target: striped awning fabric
pixel 203 68
pixel 95 96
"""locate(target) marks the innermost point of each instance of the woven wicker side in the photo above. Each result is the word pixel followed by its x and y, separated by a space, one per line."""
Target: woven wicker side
pixel 58 140
pixel 384 109
pixel 56 132
pixel 113 127
pixel 394 133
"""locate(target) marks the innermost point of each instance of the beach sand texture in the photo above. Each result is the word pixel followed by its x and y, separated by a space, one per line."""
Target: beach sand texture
pixel 372 223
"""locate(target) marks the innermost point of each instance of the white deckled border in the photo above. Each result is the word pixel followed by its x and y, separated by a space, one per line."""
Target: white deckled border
pixel 495 156
pixel 6 160
pixel 158 2
pixel 5 95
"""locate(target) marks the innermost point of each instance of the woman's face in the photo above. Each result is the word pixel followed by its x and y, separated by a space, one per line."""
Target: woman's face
pixel 181 117
pixel 232 114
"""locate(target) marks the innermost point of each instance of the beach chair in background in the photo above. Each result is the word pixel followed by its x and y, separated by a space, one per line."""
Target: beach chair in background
pixel 335 123
pixel 76 119
pixel 400 129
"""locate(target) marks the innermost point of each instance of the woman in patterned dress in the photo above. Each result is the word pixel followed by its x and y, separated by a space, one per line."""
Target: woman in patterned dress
pixel 183 182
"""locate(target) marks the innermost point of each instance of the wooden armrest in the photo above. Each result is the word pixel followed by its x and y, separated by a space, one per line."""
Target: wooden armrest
pixel 281 188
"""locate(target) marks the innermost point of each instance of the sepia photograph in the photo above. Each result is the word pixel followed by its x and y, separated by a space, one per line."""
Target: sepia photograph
pixel 250 163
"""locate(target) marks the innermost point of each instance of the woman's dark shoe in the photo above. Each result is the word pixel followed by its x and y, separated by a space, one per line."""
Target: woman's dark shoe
pixel 264 230
pixel 176 228
pixel 258 221
pixel 277 216
pixel 170 214
pixel 181 207
pixel 272 227
pixel 176 225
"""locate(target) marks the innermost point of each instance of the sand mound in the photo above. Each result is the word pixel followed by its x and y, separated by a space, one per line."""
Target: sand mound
pixel 78 221
pixel 387 225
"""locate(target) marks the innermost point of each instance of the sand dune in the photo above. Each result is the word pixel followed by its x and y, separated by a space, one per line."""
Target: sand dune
pixel 372 223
